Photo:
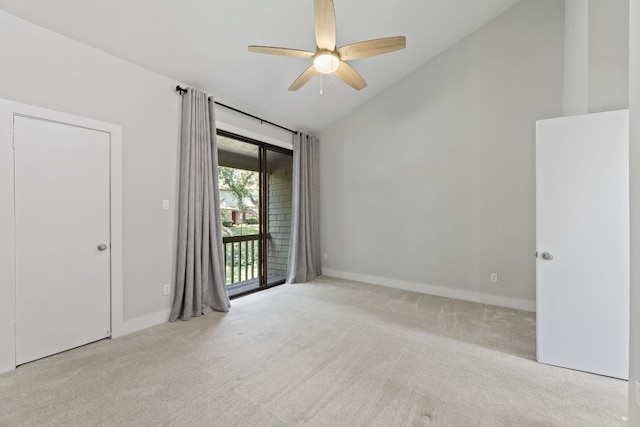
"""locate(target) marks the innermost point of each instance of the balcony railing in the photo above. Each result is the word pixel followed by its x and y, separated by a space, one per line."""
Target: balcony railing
pixel 241 258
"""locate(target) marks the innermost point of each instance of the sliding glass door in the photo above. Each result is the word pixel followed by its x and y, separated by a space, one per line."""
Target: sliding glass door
pixel 255 200
pixel 278 173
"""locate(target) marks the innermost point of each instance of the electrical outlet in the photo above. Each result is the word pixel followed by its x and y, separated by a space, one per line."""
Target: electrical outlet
pixel 326 257
pixel 167 289
pixel 494 277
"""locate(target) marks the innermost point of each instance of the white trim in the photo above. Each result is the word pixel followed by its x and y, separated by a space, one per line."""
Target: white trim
pixel 8 109
pixel 117 291
pixel 7 256
pixel 518 304
pixel 143 322
pixel 254 135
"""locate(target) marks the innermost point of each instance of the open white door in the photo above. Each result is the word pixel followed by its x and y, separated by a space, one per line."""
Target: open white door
pixel 582 187
pixel 62 236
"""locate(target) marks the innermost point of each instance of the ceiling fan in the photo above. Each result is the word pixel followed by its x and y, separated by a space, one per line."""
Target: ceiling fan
pixel 329 59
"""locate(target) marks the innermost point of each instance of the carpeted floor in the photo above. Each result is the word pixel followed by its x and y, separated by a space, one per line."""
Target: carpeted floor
pixel 327 353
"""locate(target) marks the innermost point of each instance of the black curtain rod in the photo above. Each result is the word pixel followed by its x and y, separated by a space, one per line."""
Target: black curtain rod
pixel 181 91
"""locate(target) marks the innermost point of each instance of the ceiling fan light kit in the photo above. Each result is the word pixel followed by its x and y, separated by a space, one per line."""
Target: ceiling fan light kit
pixel 327 59
pixel 326 63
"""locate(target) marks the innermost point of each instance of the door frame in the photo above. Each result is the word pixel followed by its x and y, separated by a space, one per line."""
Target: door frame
pixel 264 204
pixel 8 110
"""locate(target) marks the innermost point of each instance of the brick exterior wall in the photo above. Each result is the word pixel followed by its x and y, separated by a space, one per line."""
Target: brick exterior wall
pixel 279 218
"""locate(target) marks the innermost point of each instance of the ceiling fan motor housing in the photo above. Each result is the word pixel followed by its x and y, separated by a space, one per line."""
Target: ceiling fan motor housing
pixel 327 59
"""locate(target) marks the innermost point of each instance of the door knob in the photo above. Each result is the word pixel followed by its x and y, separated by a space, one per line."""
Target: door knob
pixel 547 256
pixel 102 247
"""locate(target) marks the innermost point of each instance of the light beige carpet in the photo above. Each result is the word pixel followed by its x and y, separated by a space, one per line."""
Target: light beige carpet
pixel 327 353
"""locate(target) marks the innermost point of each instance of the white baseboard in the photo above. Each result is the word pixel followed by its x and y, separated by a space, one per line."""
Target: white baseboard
pixel 516 303
pixel 140 323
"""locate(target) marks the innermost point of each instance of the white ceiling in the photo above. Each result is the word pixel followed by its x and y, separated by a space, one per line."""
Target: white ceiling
pixel 203 44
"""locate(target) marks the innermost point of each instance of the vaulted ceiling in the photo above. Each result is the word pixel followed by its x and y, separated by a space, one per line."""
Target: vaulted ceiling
pixel 203 44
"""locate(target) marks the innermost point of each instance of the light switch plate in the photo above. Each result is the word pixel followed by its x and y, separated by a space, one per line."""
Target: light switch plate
pixel 165 205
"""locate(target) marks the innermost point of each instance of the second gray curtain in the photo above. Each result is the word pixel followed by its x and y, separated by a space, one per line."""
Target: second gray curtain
pixel 304 250
pixel 200 272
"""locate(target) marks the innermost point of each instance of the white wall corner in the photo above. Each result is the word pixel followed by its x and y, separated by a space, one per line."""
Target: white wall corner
pixel 634 169
pixel 7 355
pixel 140 323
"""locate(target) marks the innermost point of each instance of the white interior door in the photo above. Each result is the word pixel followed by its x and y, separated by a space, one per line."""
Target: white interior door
pixel 582 180
pixel 61 237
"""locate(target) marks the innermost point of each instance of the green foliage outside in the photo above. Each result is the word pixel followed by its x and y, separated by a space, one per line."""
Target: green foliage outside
pixel 243 265
pixel 240 230
pixel 243 184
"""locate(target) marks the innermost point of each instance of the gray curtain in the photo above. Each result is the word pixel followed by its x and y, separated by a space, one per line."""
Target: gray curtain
pixel 304 251
pixel 200 272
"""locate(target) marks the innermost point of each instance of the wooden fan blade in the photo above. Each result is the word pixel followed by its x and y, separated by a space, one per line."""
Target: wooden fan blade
pixel 372 47
pixel 283 51
pixel 324 19
pixel 350 76
pixel 303 78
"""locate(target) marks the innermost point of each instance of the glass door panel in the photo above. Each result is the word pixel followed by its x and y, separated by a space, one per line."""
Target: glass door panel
pixel 239 180
pixel 255 183
pixel 278 171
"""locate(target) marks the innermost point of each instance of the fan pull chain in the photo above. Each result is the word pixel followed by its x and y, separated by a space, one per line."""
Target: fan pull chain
pixel 321 74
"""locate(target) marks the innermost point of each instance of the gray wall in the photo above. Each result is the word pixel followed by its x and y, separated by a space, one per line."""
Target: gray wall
pixel 51 71
pixel 634 103
pixel 576 57
pixel 608 55
pixel 45 69
pixel 432 182
pixel 596 68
